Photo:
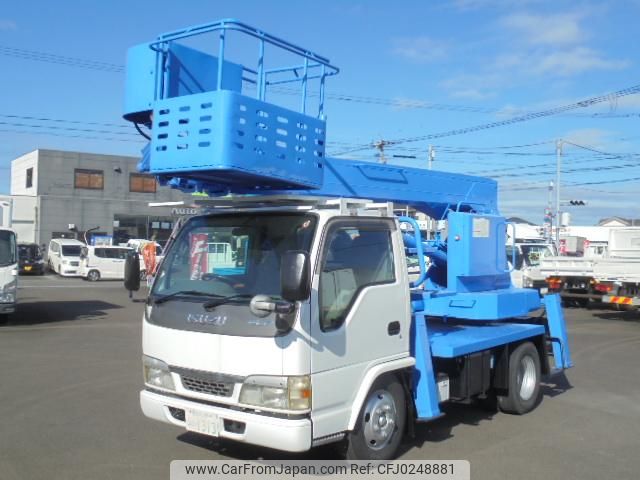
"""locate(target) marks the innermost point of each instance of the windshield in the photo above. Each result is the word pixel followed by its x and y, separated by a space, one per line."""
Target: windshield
pixel 237 254
pixel 71 250
pixel 533 254
pixel 29 251
pixel 8 253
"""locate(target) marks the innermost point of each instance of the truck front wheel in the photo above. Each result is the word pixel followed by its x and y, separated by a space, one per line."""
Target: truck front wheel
pixel 524 381
pixel 381 422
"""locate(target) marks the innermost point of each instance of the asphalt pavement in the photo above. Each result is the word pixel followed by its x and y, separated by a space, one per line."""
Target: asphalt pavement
pixel 71 375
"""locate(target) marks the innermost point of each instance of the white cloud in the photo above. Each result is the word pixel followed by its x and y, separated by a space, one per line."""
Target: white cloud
pixel 6 25
pixel 557 63
pixel 534 47
pixel 574 61
pixel 550 29
pixel 590 137
pixel 474 86
pixel 469 5
pixel 420 49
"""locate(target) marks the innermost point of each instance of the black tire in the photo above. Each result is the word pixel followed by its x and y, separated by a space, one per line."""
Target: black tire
pixel 4 318
pixel 364 442
pixel 93 275
pixel 522 398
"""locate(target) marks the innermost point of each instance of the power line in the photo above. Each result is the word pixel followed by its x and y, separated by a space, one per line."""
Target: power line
pixel 523 118
pixel 59 59
pixel 36 55
pixel 70 129
pixel 58 134
pixel 60 120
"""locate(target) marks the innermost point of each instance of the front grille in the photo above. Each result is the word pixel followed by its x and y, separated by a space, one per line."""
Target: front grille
pixel 74 264
pixel 208 383
pixel 211 388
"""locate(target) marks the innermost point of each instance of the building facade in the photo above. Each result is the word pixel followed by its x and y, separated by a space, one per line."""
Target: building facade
pixel 65 194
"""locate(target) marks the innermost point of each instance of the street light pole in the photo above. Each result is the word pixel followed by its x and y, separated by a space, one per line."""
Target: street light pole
pixel 558 162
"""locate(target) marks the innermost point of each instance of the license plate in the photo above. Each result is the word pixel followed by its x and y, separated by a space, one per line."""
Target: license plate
pixel 202 422
pixel 27 268
pixel 544 291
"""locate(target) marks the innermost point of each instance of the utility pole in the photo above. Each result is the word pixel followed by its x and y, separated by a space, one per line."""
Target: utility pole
pixel 548 216
pixel 558 163
pixel 432 156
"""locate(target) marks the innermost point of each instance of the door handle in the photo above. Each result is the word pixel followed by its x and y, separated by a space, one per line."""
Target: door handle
pixel 393 328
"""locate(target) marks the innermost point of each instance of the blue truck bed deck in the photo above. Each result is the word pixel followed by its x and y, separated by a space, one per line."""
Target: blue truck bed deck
pixel 449 340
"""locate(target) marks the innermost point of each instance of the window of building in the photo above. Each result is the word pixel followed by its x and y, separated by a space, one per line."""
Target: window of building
pixel 141 183
pixel 354 257
pixel 89 179
pixel 29 181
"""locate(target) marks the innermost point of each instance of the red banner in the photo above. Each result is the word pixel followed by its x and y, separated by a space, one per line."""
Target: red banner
pixel 199 255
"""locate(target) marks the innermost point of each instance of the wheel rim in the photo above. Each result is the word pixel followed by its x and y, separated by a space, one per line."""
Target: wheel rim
pixel 93 276
pixel 379 420
pixel 526 377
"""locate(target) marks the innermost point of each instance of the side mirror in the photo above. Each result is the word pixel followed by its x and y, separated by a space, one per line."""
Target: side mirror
pixel 294 275
pixel 132 272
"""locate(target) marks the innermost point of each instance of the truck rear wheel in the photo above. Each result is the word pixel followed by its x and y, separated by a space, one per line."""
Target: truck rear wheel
pixel 381 422
pixel 524 381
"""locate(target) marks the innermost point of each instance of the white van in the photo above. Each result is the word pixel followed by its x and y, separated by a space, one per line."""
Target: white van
pixel 103 262
pixel 64 256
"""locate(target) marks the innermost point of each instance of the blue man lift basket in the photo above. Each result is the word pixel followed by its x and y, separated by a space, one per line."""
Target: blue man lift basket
pixel 206 130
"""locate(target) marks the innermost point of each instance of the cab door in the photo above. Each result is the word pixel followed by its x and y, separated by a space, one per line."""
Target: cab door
pixel 360 313
pixel 118 259
pixel 101 262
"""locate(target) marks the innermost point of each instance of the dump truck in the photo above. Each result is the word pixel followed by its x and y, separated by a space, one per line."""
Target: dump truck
pixel 311 332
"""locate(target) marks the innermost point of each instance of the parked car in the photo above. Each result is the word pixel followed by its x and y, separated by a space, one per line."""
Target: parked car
pixel 30 259
pixel 63 256
pixel 103 262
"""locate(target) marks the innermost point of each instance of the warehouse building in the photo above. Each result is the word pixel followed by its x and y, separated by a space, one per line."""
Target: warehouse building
pixel 64 194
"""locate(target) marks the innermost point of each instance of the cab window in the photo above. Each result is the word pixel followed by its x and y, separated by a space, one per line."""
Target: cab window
pixel 355 256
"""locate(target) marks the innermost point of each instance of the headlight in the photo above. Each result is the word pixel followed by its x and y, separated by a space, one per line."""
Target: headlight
pixel 65 261
pixel 282 393
pixel 8 293
pixel 157 374
pixel 7 297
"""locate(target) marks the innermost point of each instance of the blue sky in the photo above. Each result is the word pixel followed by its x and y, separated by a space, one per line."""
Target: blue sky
pixel 437 66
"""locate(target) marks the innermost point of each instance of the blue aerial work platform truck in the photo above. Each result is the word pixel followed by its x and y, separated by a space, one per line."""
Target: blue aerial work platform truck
pixel 284 315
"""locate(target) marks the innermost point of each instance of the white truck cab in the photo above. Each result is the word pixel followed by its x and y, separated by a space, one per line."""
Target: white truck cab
pixel 8 271
pixel 225 355
pixel 525 259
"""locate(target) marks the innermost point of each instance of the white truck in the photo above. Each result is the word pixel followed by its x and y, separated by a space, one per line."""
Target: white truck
pixel 617 276
pixel 525 259
pixel 606 274
pixel 8 262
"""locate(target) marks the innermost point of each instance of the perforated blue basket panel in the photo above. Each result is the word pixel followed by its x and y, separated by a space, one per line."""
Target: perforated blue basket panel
pixel 226 138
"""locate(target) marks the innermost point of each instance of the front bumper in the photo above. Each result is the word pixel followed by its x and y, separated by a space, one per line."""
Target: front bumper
pixel 7 308
pixel 36 268
pixel 291 435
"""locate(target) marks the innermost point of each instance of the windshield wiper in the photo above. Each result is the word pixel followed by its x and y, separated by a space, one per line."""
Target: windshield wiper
pixel 196 293
pixel 222 300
